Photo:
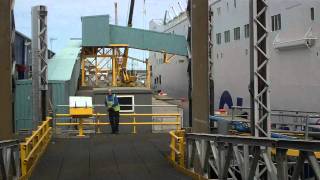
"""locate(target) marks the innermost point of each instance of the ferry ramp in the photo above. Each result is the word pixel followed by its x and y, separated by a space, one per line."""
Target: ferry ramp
pixel 108 156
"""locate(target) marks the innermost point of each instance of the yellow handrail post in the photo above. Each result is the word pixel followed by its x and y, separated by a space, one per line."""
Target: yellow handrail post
pixel 134 126
pixel 173 145
pixel 181 150
pixel 177 120
pixel 23 153
pixel 99 130
pixel 80 127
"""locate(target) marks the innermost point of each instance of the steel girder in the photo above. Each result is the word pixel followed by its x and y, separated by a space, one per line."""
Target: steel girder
pixel 238 157
pixel 9 160
pixel 39 64
pixel 259 65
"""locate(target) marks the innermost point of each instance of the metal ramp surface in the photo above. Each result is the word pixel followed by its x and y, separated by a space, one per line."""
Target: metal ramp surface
pixel 106 156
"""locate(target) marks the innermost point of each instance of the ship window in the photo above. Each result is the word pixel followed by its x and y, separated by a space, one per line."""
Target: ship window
pixel 276 22
pixel 235 3
pixel 227 36
pixel 160 79
pixel 237 33
pixel 218 38
pixel 126 103
pixel 312 14
pixel 181 61
pixel 219 11
pixel 246 31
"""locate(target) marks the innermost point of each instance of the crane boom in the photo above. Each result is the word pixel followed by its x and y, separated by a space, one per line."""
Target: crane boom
pixel 131 13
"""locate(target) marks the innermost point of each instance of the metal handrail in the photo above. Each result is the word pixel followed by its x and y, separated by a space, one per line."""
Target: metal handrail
pixel 177 147
pixel 8 143
pixel 128 115
pixel 134 123
pixel 302 118
pixel 33 147
pixel 278 110
pixel 134 105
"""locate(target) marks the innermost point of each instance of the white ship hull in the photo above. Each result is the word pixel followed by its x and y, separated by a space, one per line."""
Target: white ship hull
pixel 293 47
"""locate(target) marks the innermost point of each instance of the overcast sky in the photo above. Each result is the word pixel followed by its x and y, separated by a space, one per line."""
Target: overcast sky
pixel 64 16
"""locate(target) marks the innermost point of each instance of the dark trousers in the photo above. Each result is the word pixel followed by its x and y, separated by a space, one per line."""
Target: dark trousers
pixel 114 121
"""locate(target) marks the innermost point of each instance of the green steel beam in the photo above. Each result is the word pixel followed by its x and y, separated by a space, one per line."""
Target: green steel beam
pixel 96 31
pixel 148 40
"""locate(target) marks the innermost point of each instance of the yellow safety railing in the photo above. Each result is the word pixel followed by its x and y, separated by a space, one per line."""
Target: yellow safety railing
pixel 33 147
pixel 134 123
pixel 177 147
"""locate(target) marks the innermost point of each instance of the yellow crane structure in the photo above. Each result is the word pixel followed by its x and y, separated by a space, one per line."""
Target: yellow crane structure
pixel 94 61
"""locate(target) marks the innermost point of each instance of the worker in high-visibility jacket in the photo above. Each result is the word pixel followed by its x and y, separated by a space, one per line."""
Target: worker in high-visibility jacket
pixel 113 106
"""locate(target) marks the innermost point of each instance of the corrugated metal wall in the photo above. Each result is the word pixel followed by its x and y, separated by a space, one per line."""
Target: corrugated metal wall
pixel 73 83
pixel 59 94
pixel 59 91
pixel 23 105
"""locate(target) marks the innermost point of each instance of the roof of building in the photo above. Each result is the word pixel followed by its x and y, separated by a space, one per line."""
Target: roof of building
pixel 23 35
pixel 60 67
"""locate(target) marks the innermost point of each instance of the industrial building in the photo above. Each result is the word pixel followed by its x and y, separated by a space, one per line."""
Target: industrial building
pixel 228 91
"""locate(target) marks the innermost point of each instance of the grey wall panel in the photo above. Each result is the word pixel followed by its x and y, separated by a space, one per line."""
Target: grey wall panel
pixel 142 97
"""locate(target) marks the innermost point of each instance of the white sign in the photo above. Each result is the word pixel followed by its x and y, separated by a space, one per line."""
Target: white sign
pixel 80 102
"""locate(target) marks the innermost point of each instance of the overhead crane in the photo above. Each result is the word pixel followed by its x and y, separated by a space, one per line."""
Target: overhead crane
pixel 103 40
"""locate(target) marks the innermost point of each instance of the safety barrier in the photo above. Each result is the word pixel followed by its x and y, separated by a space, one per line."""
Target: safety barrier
pixel 242 157
pixel 9 159
pixel 33 147
pixel 292 123
pixel 134 123
pixel 177 147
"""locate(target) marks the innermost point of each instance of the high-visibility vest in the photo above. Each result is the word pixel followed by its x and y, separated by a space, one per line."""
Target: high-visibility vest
pixel 110 103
